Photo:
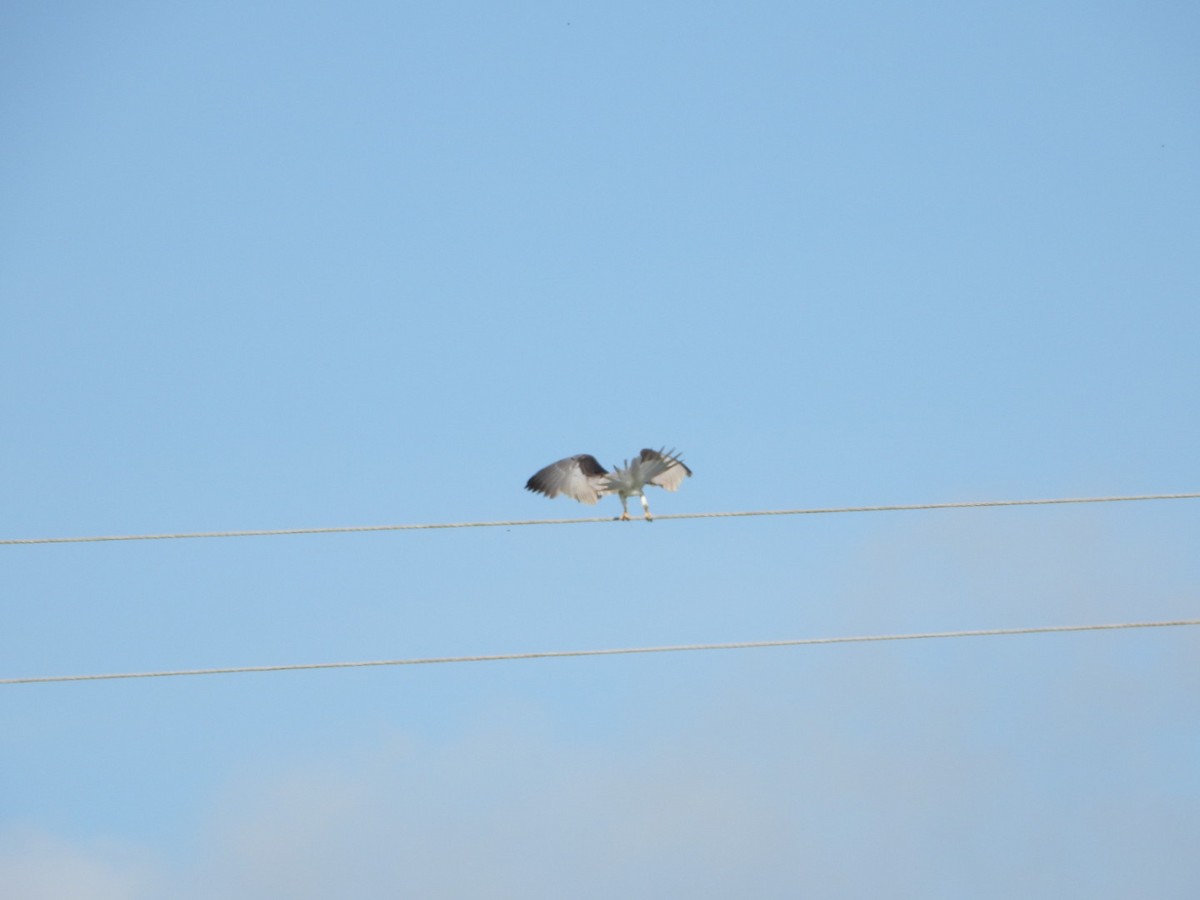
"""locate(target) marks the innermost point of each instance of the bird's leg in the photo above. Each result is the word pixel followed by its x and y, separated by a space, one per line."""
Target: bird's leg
pixel 624 509
pixel 646 509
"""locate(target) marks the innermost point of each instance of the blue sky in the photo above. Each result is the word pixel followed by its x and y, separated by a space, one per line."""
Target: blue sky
pixel 289 265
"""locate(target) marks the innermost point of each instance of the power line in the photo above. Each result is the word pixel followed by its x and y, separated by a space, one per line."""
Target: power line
pixel 621 651
pixel 354 529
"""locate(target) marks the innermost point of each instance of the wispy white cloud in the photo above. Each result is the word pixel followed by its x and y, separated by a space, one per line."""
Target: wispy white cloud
pixel 916 791
pixel 498 814
pixel 36 865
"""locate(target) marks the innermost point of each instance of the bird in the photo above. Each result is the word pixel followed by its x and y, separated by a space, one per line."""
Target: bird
pixel 582 478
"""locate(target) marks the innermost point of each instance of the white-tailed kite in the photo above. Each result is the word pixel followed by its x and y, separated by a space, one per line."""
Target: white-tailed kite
pixel 582 478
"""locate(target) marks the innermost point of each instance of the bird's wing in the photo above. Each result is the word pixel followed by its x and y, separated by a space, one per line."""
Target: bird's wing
pixel 663 468
pixel 580 477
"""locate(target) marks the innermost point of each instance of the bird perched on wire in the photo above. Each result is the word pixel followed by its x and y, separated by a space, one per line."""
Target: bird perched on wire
pixel 582 478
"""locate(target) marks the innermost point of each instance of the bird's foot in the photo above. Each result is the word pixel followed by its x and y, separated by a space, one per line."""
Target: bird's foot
pixel 624 517
pixel 649 518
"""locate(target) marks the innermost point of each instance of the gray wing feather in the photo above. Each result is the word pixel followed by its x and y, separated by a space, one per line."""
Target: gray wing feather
pixel 663 468
pixel 580 477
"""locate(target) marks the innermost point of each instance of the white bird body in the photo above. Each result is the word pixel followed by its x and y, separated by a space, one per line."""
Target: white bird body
pixel 582 478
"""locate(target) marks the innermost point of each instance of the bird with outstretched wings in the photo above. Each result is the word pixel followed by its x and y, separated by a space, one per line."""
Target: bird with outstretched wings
pixel 582 478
